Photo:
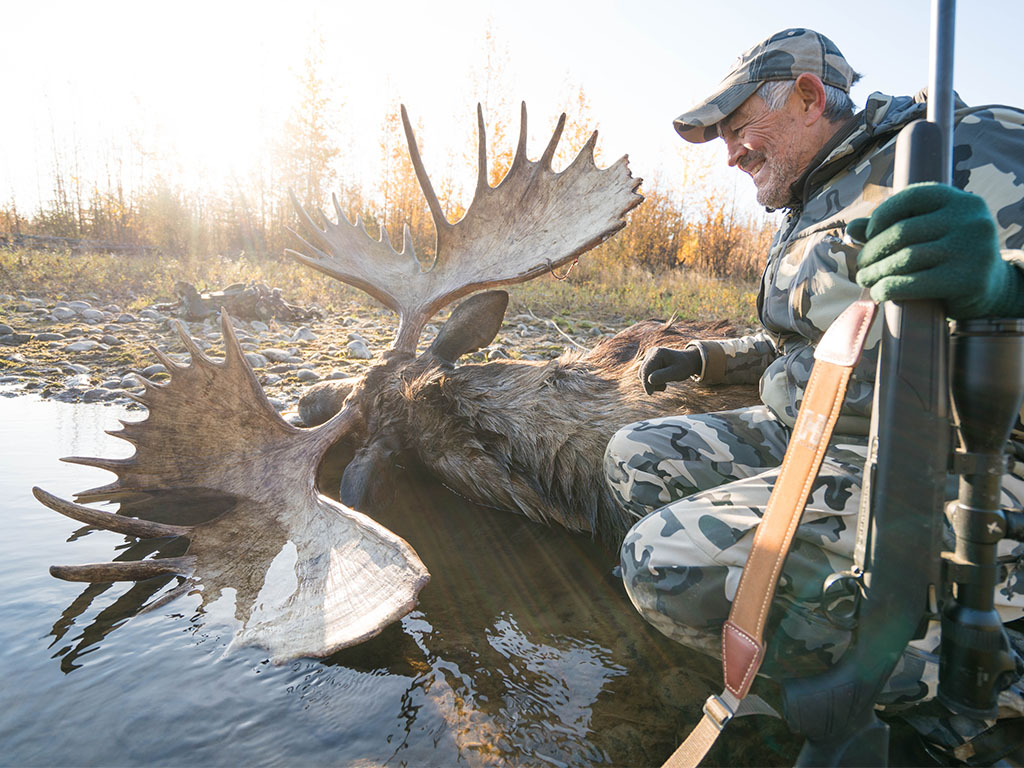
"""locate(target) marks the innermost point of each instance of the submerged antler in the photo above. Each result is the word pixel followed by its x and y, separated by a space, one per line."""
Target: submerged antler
pixel 344 577
pixel 533 221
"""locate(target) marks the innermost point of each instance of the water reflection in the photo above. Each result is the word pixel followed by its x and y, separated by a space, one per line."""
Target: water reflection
pixel 523 651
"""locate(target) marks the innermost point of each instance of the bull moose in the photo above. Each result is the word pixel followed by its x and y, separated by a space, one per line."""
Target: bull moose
pixel 516 435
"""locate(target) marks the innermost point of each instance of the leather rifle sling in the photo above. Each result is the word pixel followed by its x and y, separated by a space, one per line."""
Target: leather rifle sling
pixel 743 634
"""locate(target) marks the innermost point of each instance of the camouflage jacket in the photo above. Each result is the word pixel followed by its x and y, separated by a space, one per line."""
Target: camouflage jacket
pixel 809 277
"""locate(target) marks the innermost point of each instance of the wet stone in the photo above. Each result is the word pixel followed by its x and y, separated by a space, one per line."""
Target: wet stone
pixel 111 384
pixel 50 336
pixel 75 368
pixel 153 370
pixel 5 330
pixel 94 395
pixel 110 340
pixel 126 317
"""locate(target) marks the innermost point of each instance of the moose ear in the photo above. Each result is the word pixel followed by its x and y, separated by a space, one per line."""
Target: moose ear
pixel 472 325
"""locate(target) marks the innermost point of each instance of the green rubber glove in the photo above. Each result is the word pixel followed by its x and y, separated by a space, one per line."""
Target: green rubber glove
pixel 932 241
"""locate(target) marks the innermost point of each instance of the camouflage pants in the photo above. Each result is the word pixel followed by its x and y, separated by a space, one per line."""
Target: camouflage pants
pixel 700 484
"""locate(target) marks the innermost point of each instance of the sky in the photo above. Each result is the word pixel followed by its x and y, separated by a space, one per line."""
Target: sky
pixel 207 83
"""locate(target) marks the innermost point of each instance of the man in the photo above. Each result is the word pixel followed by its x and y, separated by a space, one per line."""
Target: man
pixel 701 482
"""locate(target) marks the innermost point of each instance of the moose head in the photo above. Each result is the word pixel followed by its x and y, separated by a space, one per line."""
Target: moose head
pixel 526 437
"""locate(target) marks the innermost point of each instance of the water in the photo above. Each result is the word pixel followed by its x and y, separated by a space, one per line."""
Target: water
pixel 524 649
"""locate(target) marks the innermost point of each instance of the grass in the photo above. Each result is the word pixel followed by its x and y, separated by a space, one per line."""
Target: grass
pixel 597 289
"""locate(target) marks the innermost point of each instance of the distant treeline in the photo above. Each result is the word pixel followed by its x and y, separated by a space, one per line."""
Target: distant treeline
pixel 699 227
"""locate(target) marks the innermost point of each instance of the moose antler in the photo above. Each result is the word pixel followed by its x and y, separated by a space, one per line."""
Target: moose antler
pixel 535 220
pixel 348 576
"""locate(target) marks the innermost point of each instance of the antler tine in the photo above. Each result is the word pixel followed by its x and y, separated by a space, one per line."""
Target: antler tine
pixel 520 157
pixel 481 134
pixel 197 355
pixel 549 150
pixel 125 571
pixel 440 220
pixel 130 526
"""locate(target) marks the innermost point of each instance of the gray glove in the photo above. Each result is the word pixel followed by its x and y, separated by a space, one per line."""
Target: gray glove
pixel 663 364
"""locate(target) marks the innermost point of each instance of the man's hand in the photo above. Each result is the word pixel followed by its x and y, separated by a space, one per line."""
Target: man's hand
pixel 662 365
pixel 932 241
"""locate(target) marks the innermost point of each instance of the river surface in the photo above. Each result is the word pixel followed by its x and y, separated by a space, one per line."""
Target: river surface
pixel 524 649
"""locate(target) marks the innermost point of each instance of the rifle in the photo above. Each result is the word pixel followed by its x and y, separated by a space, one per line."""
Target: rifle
pixel 902 577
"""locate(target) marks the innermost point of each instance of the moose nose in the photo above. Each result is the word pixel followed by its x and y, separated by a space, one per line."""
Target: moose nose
pixel 363 478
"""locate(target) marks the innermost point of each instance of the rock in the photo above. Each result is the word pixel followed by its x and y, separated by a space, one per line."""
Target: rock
pixel 259 326
pixel 304 334
pixel 50 336
pixel 497 353
pixel 111 384
pixel 152 315
pixel 112 309
pixel 73 332
pixel 127 317
pixel 5 330
pixel 153 370
pixel 256 360
pixel 15 339
pixel 85 345
pixel 279 405
pixel 130 381
pixel 93 316
pixel 94 395
pixel 270 379
pixel 78 381
pixel 358 350
pixel 356 337
pixel 78 306
pixel 63 314
pixel 276 355
pixel 306 375
pixel 75 368
pixel 337 373
pixel 110 340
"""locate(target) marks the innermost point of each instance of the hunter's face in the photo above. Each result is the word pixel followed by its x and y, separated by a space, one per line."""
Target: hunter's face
pixel 771 147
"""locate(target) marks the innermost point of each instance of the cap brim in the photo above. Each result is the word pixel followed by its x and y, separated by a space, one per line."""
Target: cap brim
pixel 700 123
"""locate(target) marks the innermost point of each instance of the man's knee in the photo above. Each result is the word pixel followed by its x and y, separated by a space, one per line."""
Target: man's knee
pixel 673 584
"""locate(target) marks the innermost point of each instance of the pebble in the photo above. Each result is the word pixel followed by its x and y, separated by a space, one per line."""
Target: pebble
pixel 63 314
pixel 5 330
pixel 93 316
pixel 358 349
pixel 50 336
pixel 259 326
pixel 306 375
pixel 256 360
pixel 86 345
pixel 75 368
pixel 151 314
pixel 276 355
pixel 304 334
pixel 110 340
pixel 153 370
pixel 127 318
pixel 15 339
pixel 78 306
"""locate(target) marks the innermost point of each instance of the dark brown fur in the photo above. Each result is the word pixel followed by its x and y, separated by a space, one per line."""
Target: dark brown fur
pixel 523 436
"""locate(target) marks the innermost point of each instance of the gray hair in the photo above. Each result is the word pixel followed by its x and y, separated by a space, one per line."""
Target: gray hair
pixel 838 103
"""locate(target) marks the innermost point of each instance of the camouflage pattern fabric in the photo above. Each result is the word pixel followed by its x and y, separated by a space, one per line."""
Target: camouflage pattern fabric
pixel 700 484
pixel 809 277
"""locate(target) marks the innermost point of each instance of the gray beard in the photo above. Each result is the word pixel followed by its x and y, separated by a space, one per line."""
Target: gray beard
pixel 777 191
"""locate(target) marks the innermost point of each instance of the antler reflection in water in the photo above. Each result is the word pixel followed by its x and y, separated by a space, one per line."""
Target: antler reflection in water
pixel 309 576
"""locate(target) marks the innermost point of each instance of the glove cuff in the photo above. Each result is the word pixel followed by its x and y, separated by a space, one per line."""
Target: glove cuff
pixel 1010 301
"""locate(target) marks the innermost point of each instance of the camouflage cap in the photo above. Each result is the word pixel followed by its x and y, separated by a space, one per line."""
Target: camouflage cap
pixel 783 56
